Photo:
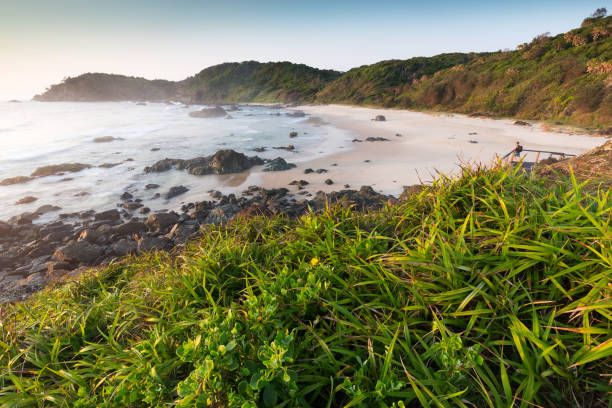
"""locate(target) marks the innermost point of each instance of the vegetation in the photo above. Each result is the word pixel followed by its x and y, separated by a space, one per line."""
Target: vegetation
pixel 256 82
pixel 565 78
pixel 108 87
pixel 491 289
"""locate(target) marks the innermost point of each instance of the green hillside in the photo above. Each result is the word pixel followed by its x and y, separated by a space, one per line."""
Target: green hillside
pixel 565 78
pixel 93 87
pixel 488 290
pixel 256 82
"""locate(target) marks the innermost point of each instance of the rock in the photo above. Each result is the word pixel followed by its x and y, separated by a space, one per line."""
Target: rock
pixel 398 135
pixel 147 244
pixel 15 180
pixel 59 169
pixel 522 123
pixel 25 218
pixel 299 183
pixel 155 149
pixel 26 200
pixel 321 171
pixel 222 162
pixel 409 191
pixel 124 247
pixel 357 141
pixel 108 165
pixel 126 196
pixel 131 206
pixel 145 210
pixel 233 108
pixel 379 118
pixel 79 252
pixel 161 221
pixel 222 214
pixel 47 208
pixel 110 215
pixel 151 186
pixel 473 141
pixel 215 112
pixel 129 228
pixel 293 134
pixel 329 182
pixel 254 210
pixel 602 132
pixel 180 233
pixel 92 235
pixel 308 171
pixel 175 191
pixel 367 160
pixel 288 148
pixel 278 164
pixel 259 149
pixel 106 139
pixel 296 114
pixel 376 139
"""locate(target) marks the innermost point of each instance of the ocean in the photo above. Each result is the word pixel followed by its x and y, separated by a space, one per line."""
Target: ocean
pixel 35 134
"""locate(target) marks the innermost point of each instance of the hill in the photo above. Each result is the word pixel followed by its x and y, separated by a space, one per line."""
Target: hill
pixel 565 78
pixel 253 81
pixel 487 290
pixel 92 87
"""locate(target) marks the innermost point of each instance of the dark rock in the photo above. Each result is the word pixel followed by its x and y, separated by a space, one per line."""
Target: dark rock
pixel 110 215
pixel 129 228
pixel 151 186
pixel 278 164
pixel 299 183
pixel 108 165
pixel 308 171
pixel 473 141
pixel 43 209
pixel 222 162
pixel 215 112
pixel 161 221
pixel 79 252
pixel 155 149
pixel 222 214
pixel 81 194
pixel 376 139
pixel 321 171
pixel 329 182
pixel 293 134
pixel 259 149
pixel 145 210
pixel 522 123
pixel 379 118
pixel 59 169
pixel 147 244
pixel 15 180
pixel 124 247
pixel 131 206
pixel 126 196
pixel 106 139
pixel 180 233
pixel 289 148
pixel 175 191
pixel 26 200
pixel 357 141
pixel 296 114
pixel 92 235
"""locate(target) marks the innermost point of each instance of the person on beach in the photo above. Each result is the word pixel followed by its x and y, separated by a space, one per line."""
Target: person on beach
pixel 516 153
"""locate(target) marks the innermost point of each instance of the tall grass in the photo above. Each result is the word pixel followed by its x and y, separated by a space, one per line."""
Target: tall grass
pixel 491 289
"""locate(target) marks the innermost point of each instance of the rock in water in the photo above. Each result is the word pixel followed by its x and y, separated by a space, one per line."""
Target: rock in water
pixel 59 169
pixel 215 112
pixel 176 191
pixel 222 162
pixel 106 139
pixel 376 139
pixel 15 180
pixel 278 164
pixel 26 200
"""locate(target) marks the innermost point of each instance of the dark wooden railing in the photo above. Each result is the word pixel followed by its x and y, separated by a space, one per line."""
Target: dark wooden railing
pixel 561 155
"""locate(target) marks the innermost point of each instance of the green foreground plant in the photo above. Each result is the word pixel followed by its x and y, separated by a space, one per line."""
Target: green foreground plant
pixel 491 289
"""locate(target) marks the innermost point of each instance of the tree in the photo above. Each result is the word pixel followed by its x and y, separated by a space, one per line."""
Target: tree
pixel 600 12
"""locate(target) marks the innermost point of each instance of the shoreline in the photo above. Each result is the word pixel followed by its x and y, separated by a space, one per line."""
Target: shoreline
pixel 430 143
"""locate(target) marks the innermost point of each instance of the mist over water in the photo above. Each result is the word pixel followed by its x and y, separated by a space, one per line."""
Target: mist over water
pixel 35 134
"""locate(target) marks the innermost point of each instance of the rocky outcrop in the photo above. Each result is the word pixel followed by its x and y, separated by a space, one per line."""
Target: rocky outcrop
pixel 216 112
pixel 56 169
pixel 222 162
pixel 278 164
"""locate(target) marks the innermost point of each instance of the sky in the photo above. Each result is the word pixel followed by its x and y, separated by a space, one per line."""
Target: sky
pixel 43 41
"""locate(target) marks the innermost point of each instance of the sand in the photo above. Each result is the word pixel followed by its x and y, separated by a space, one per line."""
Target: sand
pixel 420 145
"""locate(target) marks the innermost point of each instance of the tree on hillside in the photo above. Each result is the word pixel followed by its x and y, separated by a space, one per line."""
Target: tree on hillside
pixel 600 12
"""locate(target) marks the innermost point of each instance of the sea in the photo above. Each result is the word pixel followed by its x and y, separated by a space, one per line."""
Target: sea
pixel 35 134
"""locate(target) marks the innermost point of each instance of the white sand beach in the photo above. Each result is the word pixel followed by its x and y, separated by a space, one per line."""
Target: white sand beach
pixel 419 146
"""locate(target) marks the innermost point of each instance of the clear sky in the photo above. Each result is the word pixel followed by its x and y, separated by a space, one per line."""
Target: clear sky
pixel 42 41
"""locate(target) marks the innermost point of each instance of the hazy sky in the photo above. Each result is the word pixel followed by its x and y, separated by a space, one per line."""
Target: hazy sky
pixel 42 41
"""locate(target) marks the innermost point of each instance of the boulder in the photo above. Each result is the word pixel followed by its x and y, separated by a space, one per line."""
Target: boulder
pixel 91 235
pixel 175 191
pixel 216 112
pixel 293 134
pixel 106 139
pixel 278 164
pixel 79 252
pixel 329 182
pixel 124 247
pixel 110 215
pixel 147 244
pixel 161 221
pixel 151 186
pixel 222 214
pixel 15 180
pixel 222 162
pixel 379 118
pixel 129 228
pixel 59 169
pixel 180 233
pixel 26 200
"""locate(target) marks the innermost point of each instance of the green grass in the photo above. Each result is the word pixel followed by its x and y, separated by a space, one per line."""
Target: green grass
pixel 491 289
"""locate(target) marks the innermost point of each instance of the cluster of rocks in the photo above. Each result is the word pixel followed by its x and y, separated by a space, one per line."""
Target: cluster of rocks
pixel 32 255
